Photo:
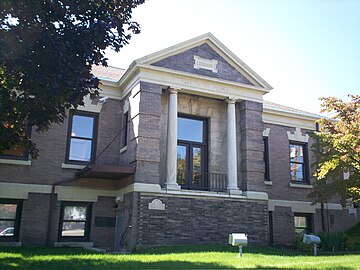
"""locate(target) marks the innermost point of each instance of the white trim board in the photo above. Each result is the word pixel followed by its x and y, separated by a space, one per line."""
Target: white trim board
pixel 302 207
pixel 74 193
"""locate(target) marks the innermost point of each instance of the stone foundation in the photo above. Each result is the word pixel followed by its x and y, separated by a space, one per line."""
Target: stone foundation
pixel 200 220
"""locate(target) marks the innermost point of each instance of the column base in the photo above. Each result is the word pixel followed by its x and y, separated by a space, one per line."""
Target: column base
pixel 172 186
pixel 234 191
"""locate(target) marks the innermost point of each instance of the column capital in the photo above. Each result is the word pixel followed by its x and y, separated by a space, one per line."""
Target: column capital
pixel 230 100
pixel 173 90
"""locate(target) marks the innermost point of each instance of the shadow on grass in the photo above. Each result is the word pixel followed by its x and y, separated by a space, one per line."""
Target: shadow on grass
pixel 89 264
pixel 257 249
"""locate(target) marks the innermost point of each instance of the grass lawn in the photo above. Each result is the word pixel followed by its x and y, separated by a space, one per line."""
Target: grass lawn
pixel 179 257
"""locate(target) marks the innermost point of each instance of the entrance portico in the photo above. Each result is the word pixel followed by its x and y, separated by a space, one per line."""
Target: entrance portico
pixel 193 173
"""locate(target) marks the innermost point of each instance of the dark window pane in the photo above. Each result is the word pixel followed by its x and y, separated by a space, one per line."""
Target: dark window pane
pixel 8 211
pixel 266 158
pixel 296 153
pixel 73 229
pixel 296 172
pixel 75 213
pixel 7 228
pixel 82 126
pixel 181 164
pixel 17 151
pixel 196 179
pixel 126 120
pixel 190 129
pixel 80 149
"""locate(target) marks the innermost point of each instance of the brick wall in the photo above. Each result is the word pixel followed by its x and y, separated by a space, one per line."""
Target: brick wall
pixel 279 159
pixel 200 220
pixel 148 133
pixel 52 146
pixel 103 236
pixel 129 221
pixel 185 62
pixel 251 146
pixel 283 226
pixel 34 219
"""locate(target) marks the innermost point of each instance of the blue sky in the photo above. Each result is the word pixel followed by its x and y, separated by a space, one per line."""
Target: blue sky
pixel 304 49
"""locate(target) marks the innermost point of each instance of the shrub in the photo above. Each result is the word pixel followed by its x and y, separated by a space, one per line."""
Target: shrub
pixel 299 244
pixel 352 241
pixel 331 241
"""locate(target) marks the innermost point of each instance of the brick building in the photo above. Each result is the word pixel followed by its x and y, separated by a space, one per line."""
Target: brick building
pixel 180 148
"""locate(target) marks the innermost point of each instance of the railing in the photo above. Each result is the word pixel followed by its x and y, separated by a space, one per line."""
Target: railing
pixel 216 181
pixel 205 181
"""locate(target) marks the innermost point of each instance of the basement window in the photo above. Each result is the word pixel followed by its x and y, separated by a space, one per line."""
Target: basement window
pixel 303 224
pixel 10 215
pixel 75 221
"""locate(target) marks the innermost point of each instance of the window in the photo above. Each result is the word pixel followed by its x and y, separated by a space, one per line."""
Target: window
pixel 126 122
pixel 266 159
pixel 191 153
pixel 10 215
pixel 81 138
pixel 298 163
pixel 303 224
pixel 19 152
pixel 75 219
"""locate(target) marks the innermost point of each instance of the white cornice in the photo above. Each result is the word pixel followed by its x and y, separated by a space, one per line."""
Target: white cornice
pixel 196 84
pixel 291 119
pixel 216 80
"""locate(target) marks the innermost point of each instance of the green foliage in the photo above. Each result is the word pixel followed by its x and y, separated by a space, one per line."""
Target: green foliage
pixel 298 244
pixel 337 150
pixel 352 241
pixel 47 50
pixel 332 241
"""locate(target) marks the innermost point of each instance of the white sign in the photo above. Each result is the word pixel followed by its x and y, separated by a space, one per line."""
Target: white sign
pixel 205 64
pixel 156 204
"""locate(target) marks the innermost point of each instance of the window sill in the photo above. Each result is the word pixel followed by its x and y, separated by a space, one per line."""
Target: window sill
pixel 301 185
pixel 74 244
pixel 10 244
pixel 15 162
pixel 122 150
pixel 268 183
pixel 72 166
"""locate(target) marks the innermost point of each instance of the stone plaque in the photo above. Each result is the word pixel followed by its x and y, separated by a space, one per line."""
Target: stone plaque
pixel 156 204
pixel 105 222
pixel 208 64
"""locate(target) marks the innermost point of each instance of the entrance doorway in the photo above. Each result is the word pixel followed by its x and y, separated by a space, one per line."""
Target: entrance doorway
pixel 192 153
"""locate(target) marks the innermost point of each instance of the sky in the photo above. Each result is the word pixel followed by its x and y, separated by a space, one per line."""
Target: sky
pixel 305 49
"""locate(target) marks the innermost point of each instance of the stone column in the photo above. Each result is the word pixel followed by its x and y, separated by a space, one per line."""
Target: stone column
pixel 232 185
pixel 171 144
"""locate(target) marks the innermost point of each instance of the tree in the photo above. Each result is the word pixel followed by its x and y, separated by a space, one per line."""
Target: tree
pixel 337 150
pixel 47 48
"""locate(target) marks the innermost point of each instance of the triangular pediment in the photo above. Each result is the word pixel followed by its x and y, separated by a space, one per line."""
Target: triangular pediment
pixel 205 56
